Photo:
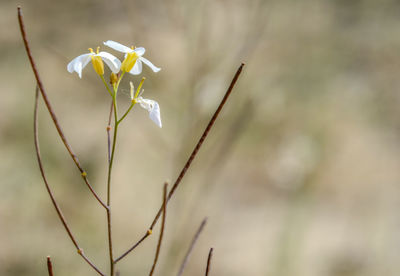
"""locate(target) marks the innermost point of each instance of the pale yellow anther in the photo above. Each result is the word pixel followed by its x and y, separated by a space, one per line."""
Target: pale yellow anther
pixel 149 232
pixel 91 50
pixel 84 174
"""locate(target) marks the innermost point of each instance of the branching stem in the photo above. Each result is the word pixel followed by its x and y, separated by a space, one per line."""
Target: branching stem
pixel 189 161
pixel 50 192
pixel 162 229
pixel 50 109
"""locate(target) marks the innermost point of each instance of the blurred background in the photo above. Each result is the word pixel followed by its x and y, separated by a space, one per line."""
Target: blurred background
pixel 300 175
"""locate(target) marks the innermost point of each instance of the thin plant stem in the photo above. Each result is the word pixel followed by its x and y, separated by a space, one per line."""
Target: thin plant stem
pixel 133 99
pixel 50 109
pixel 106 85
pixel 209 261
pixel 148 233
pixel 191 158
pixel 50 192
pixel 192 244
pixel 108 132
pixel 126 113
pixel 164 214
pixel 49 266
pixel 110 167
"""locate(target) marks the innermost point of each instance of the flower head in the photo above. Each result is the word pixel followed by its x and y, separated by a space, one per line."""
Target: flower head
pixel 133 58
pixel 151 106
pixel 78 63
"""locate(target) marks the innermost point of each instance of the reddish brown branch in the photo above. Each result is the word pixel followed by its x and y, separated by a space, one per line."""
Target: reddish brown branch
pixel 50 109
pixel 192 244
pixel 209 261
pixel 49 266
pixel 162 229
pixel 50 192
pixel 191 157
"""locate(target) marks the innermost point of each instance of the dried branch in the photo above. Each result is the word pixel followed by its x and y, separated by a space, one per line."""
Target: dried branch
pixel 49 266
pixel 192 244
pixel 50 192
pixel 190 160
pixel 209 261
pixel 50 109
pixel 162 229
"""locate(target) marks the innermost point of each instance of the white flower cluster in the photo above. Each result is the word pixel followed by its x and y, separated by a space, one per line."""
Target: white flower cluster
pixel 132 64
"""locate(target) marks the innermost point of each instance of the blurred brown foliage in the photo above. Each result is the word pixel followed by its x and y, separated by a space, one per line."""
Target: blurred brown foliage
pixel 299 177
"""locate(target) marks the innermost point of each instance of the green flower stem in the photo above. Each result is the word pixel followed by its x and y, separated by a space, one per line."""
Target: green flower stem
pixel 126 113
pixel 110 166
pixel 106 85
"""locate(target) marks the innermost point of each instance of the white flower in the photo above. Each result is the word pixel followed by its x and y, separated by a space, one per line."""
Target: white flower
pixel 151 106
pixel 133 58
pixel 78 63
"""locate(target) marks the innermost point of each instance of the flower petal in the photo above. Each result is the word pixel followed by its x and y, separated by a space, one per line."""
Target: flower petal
pixel 140 51
pixel 137 68
pixel 111 61
pixel 117 46
pixel 151 65
pixel 153 108
pixel 78 63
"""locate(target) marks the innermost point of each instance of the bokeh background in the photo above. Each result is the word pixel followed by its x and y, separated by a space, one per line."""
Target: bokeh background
pixel 299 177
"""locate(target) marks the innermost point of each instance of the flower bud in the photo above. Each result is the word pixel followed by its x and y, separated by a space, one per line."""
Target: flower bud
pixel 113 78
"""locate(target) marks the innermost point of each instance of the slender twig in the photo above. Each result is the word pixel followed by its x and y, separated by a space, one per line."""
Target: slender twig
pixel 50 109
pixel 162 229
pixel 191 157
pixel 126 112
pixel 201 140
pixel 192 244
pixel 49 266
pixel 108 132
pixel 50 192
pixel 209 260
pixel 148 233
pixel 110 166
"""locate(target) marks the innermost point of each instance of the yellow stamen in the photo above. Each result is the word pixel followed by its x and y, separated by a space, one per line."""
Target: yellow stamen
pixel 139 87
pixel 97 62
pixel 98 65
pixel 129 61
pixel 98 49
pixel 132 88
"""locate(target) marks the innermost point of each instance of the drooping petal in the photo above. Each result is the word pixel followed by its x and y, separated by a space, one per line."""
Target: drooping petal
pixel 117 46
pixel 78 63
pixel 137 68
pixel 111 61
pixel 151 65
pixel 153 108
pixel 140 51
